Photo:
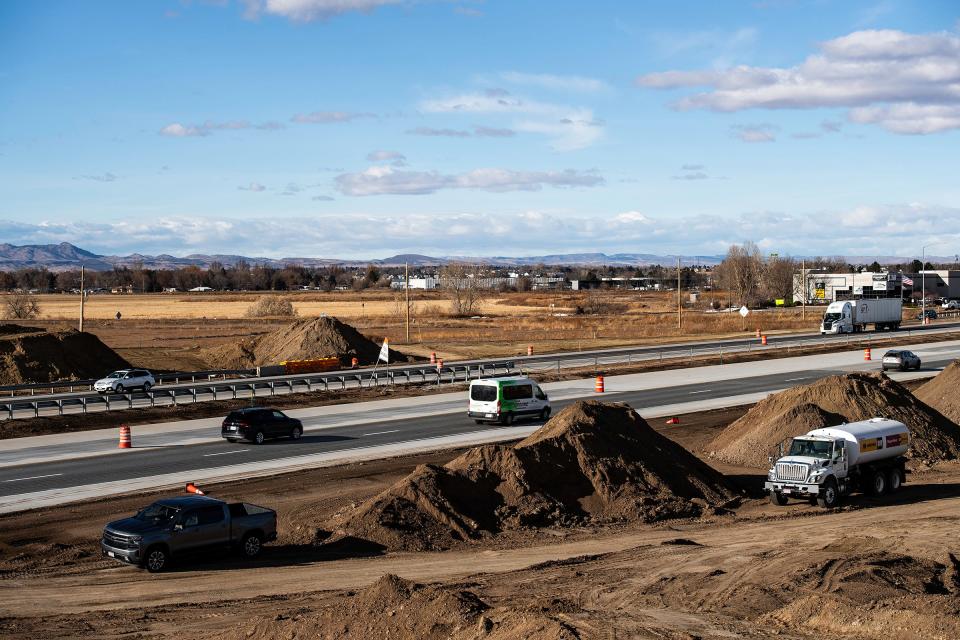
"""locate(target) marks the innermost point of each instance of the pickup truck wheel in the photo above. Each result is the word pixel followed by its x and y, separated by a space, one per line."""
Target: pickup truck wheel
pixel 778 498
pixel 156 560
pixel 258 437
pixel 829 496
pixel 251 545
pixel 878 484
pixel 894 481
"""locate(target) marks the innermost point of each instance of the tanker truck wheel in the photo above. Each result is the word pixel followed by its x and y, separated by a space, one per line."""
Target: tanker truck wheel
pixel 878 484
pixel 778 498
pixel 829 495
pixel 894 481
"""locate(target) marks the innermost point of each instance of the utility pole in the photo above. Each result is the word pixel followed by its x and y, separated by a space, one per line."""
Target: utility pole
pixel 803 300
pixel 82 296
pixel 679 301
pixel 406 290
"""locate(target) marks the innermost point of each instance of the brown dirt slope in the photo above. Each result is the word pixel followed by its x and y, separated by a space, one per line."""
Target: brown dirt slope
pixel 831 401
pixel 396 608
pixel 305 339
pixel 29 354
pixel 941 392
pixel 591 462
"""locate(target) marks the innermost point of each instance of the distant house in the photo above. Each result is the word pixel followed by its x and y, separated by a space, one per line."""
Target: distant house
pixel 169 289
pixel 125 288
pixel 199 289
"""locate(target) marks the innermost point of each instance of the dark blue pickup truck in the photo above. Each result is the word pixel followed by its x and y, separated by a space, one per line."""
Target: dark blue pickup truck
pixel 173 528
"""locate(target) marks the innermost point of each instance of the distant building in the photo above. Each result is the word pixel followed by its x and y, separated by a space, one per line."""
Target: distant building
pixel 826 287
pixel 199 289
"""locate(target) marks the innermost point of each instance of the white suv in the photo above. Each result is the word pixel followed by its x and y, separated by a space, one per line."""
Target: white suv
pixel 124 380
pixel 950 304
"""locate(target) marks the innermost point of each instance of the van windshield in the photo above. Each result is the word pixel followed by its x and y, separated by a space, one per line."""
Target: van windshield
pixel 811 448
pixel 483 393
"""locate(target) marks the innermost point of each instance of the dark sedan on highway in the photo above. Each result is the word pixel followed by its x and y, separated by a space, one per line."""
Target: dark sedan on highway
pixel 900 359
pixel 256 424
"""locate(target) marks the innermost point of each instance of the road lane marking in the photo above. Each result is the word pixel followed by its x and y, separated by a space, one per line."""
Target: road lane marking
pixel 704 391
pixel 49 475
pixel 224 453
pixel 380 433
pixel 795 379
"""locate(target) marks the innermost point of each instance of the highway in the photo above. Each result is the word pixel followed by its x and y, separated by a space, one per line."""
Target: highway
pixel 53 469
pixel 52 404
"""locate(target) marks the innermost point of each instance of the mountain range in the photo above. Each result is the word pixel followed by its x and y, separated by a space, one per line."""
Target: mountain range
pixel 65 256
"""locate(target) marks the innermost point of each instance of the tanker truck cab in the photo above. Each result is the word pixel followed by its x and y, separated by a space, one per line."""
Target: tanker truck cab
pixel 826 464
pixel 503 400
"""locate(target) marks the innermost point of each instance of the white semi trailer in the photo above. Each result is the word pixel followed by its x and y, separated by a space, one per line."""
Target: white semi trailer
pixel 828 463
pixel 849 316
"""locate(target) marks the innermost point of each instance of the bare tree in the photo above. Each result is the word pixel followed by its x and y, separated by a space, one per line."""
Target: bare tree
pixel 22 306
pixel 462 283
pixel 740 272
pixel 778 278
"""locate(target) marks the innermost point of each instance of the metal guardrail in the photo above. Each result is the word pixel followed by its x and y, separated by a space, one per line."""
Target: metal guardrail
pixel 233 389
pixel 72 385
pixel 453 373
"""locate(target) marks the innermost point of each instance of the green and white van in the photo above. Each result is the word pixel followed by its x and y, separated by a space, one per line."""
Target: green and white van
pixel 504 400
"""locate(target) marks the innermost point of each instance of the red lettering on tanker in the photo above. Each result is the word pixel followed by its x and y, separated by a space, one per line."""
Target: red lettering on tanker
pixel 897 440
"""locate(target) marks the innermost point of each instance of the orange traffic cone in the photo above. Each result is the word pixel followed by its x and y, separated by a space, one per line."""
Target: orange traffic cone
pixel 673 420
pixel 192 488
pixel 530 350
pixel 439 364
pixel 763 339
pixel 126 440
pixel 598 387
pixel 433 357
pixel 758 332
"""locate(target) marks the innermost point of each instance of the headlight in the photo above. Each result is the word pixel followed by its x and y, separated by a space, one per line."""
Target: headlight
pixel 772 474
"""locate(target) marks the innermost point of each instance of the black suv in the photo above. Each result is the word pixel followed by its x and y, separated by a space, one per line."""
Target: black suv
pixel 256 424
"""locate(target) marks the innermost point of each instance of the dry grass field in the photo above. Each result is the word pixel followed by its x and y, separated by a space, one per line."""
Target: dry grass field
pixel 167 331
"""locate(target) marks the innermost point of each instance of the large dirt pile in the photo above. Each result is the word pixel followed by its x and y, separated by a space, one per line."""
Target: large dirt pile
pixel 396 608
pixel 30 354
pixel 591 462
pixel 941 392
pixel 302 340
pixel 831 401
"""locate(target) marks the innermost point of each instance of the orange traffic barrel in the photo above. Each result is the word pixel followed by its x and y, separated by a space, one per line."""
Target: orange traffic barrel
pixel 354 363
pixel 758 332
pixel 763 339
pixel 126 440
pixel 193 488
pixel 598 386
pixel 439 364
pixel 866 354
pixel 530 350
pixel 433 357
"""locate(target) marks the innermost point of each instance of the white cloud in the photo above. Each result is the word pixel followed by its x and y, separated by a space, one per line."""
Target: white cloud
pixel 443 133
pixel 493 132
pixel 310 10
pixel 382 180
pixel 177 130
pixel 395 158
pixel 328 117
pixel 552 82
pixel 253 186
pixel 892 229
pixel 906 83
pixel 568 128
pixel 103 177
pixel 755 132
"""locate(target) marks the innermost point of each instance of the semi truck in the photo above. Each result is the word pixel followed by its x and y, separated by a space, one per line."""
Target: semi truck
pixel 849 316
pixel 826 464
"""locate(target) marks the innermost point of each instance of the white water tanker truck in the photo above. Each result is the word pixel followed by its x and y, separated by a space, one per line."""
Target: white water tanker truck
pixel 828 463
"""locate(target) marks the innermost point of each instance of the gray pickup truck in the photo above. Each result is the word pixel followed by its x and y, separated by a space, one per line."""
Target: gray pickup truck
pixel 175 527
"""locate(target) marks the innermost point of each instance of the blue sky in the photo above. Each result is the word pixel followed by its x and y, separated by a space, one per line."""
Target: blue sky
pixel 364 128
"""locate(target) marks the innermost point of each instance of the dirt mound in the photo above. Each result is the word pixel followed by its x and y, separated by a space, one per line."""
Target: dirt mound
pixel 302 340
pixel 832 401
pixel 940 392
pixel 592 462
pixel 396 608
pixel 30 355
pixel 868 591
